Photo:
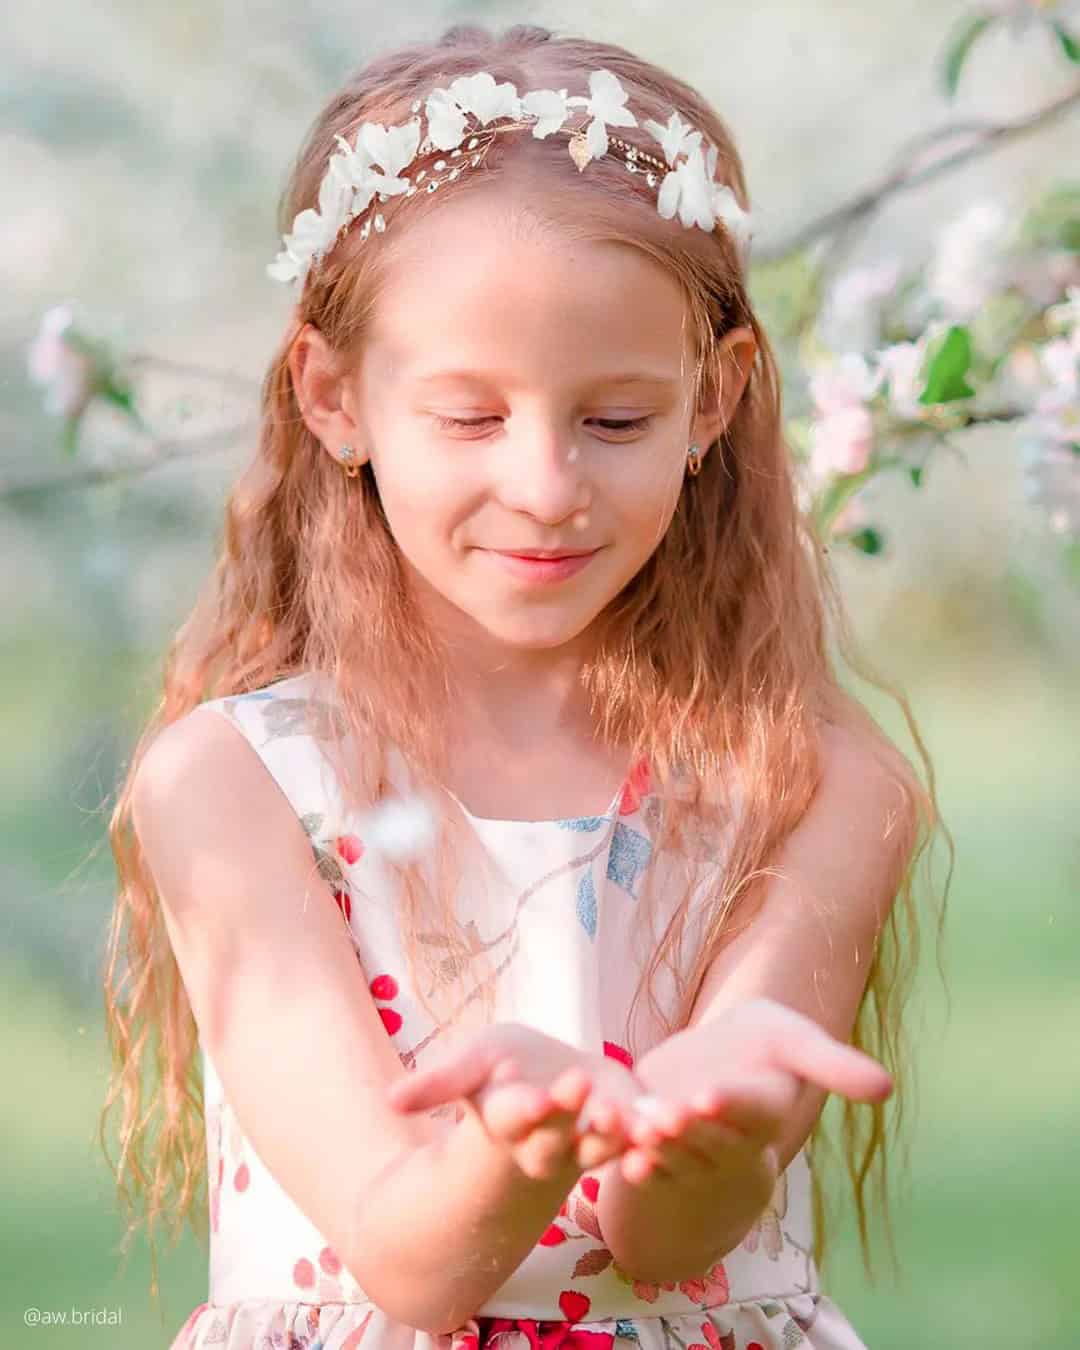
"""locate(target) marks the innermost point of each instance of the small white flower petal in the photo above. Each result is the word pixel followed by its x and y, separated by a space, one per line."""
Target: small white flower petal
pixel 486 100
pixel 668 199
pixel 549 107
pixel 596 139
pixel 445 120
pixel 608 99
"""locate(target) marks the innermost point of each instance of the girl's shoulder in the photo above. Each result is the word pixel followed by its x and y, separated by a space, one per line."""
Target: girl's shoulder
pixel 295 708
pixel 285 723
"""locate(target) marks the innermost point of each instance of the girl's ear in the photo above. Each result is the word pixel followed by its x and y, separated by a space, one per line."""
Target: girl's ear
pixel 322 394
pixel 735 360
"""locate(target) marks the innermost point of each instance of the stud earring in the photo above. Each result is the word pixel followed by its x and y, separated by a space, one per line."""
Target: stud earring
pixel 693 461
pixel 347 452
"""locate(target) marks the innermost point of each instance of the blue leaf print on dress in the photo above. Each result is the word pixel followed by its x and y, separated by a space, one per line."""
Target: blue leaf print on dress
pixel 630 851
pixel 586 902
pixel 583 822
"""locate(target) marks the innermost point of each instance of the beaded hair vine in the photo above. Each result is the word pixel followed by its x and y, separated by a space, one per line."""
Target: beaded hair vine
pixel 374 164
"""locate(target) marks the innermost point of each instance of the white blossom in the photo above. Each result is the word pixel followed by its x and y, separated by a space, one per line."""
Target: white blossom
pixel 53 361
pixel 899 368
pixel 851 312
pixel 968 265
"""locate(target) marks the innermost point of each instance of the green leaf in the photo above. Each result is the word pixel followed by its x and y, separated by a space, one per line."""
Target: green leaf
pixel 916 472
pixel 1069 44
pixel 965 37
pixel 867 540
pixel 836 495
pixel 947 367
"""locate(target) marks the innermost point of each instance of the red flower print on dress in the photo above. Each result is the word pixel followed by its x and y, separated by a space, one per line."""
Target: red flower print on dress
pixel 710 1289
pixel 614 1051
pixel 529 1333
pixel 645 1290
pixel 330 1261
pixel 303 1274
pixel 353 1339
pixel 384 988
pixel 715 1340
pixel 636 788
pixel 349 847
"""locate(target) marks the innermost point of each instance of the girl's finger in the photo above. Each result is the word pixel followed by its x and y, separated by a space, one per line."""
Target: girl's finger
pixel 601 1133
pixel 815 1056
pixel 757 1105
pixel 513 1111
pixel 571 1088
pixel 460 1075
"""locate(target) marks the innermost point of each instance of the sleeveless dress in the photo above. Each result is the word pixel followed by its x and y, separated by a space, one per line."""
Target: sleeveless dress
pixel 274 1281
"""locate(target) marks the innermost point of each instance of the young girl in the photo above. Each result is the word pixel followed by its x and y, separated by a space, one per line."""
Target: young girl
pixel 555 1074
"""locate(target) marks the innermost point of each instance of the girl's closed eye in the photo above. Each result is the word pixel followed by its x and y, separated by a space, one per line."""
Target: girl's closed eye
pixel 608 423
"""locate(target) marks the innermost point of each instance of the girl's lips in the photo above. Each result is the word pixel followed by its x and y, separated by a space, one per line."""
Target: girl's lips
pixel 542 569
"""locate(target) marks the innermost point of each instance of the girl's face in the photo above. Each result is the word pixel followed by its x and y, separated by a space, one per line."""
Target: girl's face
pixel 522 393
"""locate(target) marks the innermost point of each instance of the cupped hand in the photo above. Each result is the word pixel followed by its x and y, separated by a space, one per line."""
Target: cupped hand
pixel 721 1092
pixel 556 1108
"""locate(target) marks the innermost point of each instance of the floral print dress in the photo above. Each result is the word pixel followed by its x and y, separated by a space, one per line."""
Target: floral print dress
pixel 274 1281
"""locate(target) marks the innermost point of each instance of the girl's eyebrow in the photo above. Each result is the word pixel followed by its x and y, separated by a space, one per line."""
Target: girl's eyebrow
pixel 477 377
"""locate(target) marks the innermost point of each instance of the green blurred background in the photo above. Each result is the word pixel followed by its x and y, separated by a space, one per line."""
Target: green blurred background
pixel 149 145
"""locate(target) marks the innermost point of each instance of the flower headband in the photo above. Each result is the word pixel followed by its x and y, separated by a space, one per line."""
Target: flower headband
pixel 379 155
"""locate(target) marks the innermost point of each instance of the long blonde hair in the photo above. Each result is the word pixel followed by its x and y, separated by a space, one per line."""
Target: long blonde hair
pixel 712 664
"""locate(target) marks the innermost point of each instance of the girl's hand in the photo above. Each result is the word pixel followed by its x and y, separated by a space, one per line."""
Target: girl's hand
pixel 722 1091
pixel 556 1108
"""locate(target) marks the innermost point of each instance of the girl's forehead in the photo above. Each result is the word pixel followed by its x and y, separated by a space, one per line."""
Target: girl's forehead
pixel 502 333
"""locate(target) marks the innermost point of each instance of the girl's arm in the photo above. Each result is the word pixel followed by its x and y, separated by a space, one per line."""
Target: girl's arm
pixel 810 947
pixel 430 1218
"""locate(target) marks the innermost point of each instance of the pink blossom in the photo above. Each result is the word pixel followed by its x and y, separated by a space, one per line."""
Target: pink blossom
pixel 842 441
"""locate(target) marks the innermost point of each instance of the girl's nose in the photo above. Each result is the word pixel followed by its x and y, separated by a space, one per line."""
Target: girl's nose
pixel 543 475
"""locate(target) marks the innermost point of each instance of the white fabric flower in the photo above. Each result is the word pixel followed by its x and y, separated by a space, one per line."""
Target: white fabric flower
pixel 726 208
pixel 677 138
pixel 313 230
pixel 688 190
pixel 390 149
pixel 445 120
pixel 550 107
pixel 486 100
pixel 606 104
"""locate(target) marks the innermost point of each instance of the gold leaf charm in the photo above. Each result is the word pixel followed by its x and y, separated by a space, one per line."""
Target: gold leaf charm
pixel 579 150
